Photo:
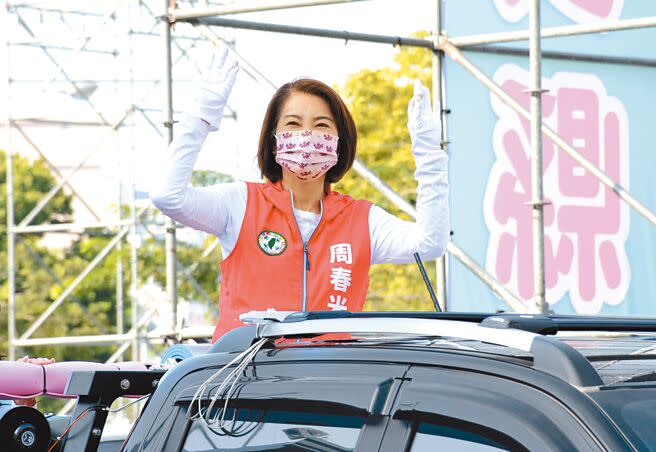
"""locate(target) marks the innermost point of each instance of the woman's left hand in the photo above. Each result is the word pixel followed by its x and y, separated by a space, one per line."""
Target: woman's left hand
pixel 421 118
pixel 39 362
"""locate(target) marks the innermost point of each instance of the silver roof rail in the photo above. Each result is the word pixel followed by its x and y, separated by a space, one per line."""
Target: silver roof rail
pixel 549 354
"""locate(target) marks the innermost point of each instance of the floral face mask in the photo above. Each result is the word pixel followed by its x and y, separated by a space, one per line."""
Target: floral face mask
pixel 307 154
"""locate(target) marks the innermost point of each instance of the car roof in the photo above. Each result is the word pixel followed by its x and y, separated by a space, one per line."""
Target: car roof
pixel 581 350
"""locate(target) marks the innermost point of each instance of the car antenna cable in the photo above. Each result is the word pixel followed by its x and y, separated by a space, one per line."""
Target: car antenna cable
pixel 241 361
pixel 429 286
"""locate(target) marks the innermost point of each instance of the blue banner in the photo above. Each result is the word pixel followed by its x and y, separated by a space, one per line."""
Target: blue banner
pixel 600 255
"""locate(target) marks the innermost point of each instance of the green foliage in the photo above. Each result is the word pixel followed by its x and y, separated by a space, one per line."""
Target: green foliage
pixel 378 100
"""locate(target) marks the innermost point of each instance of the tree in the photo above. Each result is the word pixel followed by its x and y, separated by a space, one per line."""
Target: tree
pixel 378 100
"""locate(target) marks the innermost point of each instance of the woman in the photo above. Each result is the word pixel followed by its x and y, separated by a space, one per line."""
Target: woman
pixel 291 243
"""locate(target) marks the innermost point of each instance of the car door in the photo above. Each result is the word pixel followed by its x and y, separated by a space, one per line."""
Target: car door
pixel 462 409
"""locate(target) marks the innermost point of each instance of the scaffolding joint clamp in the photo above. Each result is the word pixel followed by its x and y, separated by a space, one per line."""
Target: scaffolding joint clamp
pixel 535 92
pixel 537 204
pixel 170 18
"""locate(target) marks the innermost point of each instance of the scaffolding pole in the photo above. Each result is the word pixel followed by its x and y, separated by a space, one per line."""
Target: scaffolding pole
pixel 317 32
pixel 11 237
pixel 11 260
pixel 248 7
pixel 554 32
pixel 438 102
pixel 171 255
pixel 537 197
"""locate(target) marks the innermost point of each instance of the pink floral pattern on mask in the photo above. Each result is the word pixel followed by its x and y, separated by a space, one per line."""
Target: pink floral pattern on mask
pixel 307 154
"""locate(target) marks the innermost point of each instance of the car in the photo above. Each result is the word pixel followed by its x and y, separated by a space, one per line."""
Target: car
pixel 391 381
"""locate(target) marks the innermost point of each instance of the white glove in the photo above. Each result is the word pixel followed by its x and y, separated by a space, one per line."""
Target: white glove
pixel 421 119
pixel 213 88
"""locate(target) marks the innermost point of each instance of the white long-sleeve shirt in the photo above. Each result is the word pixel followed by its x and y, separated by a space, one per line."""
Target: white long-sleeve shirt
pixel 220 209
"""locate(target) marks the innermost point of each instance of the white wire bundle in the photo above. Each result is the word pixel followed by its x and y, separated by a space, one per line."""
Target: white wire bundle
pixel 243 359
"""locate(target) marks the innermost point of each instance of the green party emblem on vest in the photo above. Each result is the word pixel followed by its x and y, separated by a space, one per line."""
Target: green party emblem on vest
pixel 272 243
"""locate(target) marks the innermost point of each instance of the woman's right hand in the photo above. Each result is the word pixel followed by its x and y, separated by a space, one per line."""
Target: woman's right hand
pixel 213 88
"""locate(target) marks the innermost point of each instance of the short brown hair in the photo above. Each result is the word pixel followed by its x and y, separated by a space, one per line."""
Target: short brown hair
pixel 347 133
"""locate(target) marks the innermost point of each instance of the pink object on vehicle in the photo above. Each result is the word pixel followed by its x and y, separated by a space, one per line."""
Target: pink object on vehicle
pixel 20 380
pixel 58 374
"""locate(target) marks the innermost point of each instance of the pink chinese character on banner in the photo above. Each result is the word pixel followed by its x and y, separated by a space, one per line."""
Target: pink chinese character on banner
pixel 580 11
pixel 577 121
pixel 586 227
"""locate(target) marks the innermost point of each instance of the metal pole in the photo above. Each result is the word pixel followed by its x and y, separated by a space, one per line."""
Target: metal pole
pixel 171 256
pixel 119 266
pixel 440 263
pixel 620 191
pixel 119 245
pixel 249 7
pixel 11 238
pixel 133 195
pixel 552 32
pixel 570 56
pixel 318 32
pixel 11 261
pixel 537 201
pixel 69 227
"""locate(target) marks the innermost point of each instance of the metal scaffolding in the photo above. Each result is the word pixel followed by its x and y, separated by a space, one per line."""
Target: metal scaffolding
pixel 57 33
pixel 121 16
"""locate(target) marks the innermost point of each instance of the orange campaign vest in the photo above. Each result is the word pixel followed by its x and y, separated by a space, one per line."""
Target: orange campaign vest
pixel 269 264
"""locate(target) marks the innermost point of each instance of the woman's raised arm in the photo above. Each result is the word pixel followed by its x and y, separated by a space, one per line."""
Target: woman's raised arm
pixel 207 209
pixel 394 240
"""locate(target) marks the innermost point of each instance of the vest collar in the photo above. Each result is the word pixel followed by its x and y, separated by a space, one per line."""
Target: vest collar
pixel 333 202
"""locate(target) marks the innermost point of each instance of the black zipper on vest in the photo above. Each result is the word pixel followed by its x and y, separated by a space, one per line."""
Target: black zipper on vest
pixel 306 249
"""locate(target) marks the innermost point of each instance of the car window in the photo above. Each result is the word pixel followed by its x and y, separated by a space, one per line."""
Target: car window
pixel 259 430
pixel 633 409
pixel 430 437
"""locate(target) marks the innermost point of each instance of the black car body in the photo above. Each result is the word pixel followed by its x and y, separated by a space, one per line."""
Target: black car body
pixel 397 392
pixel 397 382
